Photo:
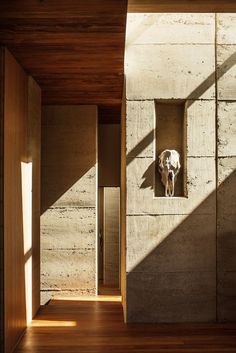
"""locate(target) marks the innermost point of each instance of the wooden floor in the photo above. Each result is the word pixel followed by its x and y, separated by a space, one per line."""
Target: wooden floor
pixel 67 326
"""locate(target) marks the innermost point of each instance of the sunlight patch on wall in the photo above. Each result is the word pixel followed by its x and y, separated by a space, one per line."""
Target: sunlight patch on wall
pixel 26 177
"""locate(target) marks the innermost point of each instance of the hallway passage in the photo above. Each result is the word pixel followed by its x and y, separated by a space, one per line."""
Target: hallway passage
pixel 66 326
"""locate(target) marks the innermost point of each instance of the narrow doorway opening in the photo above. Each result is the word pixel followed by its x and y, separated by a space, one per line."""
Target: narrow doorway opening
pixel 108 222
pixel 109 240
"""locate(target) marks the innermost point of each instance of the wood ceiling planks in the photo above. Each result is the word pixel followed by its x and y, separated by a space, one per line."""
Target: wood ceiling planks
pixel 74 49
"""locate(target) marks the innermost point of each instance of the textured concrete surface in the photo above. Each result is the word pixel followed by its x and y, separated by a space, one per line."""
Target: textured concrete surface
pixel 226 60
pixel 143 28
pixel 227 242
pixel 140 128
pixel 68 269
pixel 48 294
pixel 226 238
pixel 226 222
pixel 68 155
pixel 169 71
pixel 200 119
pixel 1 204
pixel 71 228
pixel 227 129
pixel 226 28
pixel 80 194
pixel 171 242
pixel 171 297
pixel 200 184
pixel 226 185
pixel 201 128
pixel 226 295
pixel 68 221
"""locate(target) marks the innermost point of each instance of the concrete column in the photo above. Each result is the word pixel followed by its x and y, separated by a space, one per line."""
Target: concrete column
pixel 226 204
pixel 171 242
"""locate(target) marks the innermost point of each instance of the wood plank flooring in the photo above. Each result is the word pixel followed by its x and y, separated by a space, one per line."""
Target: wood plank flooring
pixel 94 327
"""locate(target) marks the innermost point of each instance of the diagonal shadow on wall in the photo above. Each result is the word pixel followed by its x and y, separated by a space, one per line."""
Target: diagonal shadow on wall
pixel 68 157
pixel 64 163
pixel 180 267
pixel 189 273
pixel 194 95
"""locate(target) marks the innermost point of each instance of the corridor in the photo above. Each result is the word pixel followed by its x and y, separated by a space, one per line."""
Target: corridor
pixel 66 326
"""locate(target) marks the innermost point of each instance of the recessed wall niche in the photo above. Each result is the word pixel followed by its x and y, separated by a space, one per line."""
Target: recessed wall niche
pixel 170 133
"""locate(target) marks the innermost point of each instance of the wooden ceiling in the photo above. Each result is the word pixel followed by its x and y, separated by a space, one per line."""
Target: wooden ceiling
pixel 73 48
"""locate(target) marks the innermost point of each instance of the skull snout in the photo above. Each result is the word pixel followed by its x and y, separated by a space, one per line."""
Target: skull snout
pixel 171 175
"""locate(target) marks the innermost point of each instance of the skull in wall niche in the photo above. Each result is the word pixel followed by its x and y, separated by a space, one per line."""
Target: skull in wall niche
pixel 169 167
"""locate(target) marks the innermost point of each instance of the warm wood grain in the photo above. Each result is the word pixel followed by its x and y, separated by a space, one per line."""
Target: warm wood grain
pixel 21 113
pixel 74 49
pixel 95 327
pixel 182 6
pixel 34 155
pixel 15 152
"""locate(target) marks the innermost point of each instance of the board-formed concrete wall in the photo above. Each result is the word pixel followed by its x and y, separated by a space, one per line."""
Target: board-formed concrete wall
pixel 226 200
pixel 1 198
pixel 69 184
pixel 172 244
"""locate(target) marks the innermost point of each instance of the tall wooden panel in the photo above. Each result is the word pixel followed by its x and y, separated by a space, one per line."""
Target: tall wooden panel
pixel 21 205
pixel 34 150
pixel 15 152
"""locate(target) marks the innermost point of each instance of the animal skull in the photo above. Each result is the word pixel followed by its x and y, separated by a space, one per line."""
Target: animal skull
pixel 169 166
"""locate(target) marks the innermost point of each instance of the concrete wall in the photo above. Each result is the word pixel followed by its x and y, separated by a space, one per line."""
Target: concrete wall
pixel 123 217
pixel 69 182
pixel 171 256
pixel 1 199
pixel 226 121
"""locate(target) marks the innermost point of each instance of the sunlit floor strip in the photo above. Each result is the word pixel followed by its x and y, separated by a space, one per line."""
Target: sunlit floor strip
pixel 53 323
pixel 98 298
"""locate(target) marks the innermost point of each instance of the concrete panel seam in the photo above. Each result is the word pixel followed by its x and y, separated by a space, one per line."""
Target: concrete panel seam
pixel 166 214
pixel 172 44
pixel 174 98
